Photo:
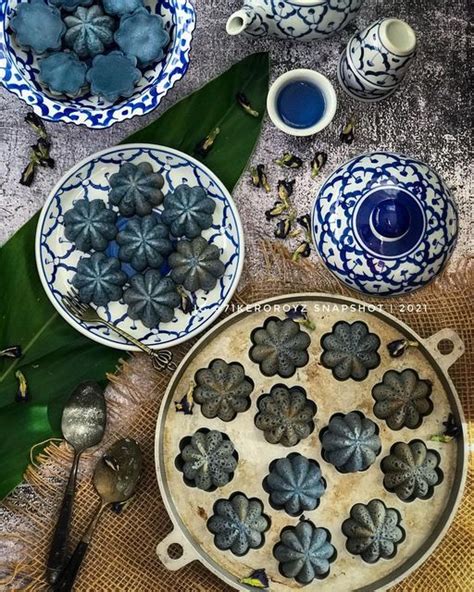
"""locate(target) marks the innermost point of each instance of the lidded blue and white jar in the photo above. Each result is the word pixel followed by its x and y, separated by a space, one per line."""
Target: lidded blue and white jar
pixel 384 223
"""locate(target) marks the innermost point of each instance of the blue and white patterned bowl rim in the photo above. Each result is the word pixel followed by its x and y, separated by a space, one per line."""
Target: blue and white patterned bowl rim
pixel 66 110
pixel 193 331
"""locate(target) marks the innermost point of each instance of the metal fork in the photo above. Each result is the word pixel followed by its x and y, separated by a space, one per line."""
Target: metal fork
pixel 161 360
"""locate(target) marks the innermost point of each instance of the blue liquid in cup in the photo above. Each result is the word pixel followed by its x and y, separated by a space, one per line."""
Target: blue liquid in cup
pixel 301 104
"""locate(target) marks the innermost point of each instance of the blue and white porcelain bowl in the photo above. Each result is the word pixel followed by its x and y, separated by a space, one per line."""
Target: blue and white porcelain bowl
pixel 384 223
pixel 377 59
pixel 19 72
pixel 57 257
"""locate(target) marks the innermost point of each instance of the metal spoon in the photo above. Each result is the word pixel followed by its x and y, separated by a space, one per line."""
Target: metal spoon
pixel 82 425
pixel 115 479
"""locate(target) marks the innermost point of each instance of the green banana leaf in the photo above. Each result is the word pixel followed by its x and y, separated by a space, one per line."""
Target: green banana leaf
pixel 55 356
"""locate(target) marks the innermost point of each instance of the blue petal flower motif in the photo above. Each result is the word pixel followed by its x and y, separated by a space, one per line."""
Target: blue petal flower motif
pixel 70 5
pixel 136 189
pixel 188 211
pixel 119 7
pixel 63 73
pixel 305 552
pixel 27 32
pixel 113 76
pixel 373 531
pixel 141 35
pixel 295 484
pixel 196 264
pixel 90 225
pixel 144 243
pixel 99 279
pixel 238 524
pixel 151 298
pixel 89 31
pixel 350 442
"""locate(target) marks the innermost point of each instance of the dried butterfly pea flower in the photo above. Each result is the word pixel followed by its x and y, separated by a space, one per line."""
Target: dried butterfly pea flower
pixel 452 428
pixel 262 177
pixel 305 222
pixel 39 156
pixel 243 101
pixel 37 124
pixel 304 250
pixel 277 210
pixel 290 161
pixel 285 190
pixel 186 404
pixel 299 314
pixel 347 134
pixel 397 348
pixel 23 392
pixel 319 160
pixel 254 177
pixel 187 305
pixel 283 228
pixel 257 579
pixel 14 351
pixel 205 146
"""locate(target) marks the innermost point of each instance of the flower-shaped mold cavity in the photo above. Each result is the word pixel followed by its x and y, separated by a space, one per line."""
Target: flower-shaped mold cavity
pixel 294 484
pixel 136 189
pixel 350 442
pixel 63 73
pixel 141 35
pixel 304 552
pixel 144 243
pixel 38 26
pixel 113 75
pixel 151 298
pixel 222 390
pixel 89 31
pixel 285 415
pixel 238 524
pixel 119 7
pixel 207 460
pixel 99 279
pixel 402 399
pixel 90 225
pixel 70 5
pixel 188 211
pixel 373 531
pixel 350 350
pixel 412 470
pixel 196 264
pixel 279 347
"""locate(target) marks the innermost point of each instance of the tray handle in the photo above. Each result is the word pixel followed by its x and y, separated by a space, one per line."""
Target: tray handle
pixel 175 537
pixel 446 360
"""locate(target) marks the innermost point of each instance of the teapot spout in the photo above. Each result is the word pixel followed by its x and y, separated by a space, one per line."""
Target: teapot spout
pixel 240 21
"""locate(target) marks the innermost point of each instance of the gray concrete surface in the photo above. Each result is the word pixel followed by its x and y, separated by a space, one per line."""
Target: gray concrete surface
pixel 428 118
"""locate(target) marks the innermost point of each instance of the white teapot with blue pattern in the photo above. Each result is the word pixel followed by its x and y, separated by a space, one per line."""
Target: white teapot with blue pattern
pixel 303 20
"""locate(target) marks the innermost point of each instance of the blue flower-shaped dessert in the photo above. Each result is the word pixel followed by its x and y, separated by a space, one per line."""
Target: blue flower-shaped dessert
pixel 38 26
pixel 70 5
pixel 196 264
pixel 279 347
pixel 402 399
pixel 113 76
pixel 373 531
pixel 119 7
pixel 89 31
pixel 238 524
pixel 144 243
pixel 90 225
pixel 294 484
pixel 99 279
pixel 151 298
pixel 285 415
pixel 350 350
pixel 412 470
pixel 222 390
pixel 63 73
pixel 208 460
pixel 136 189
pixel 141 35
pixel 350 442
pixel 188 211
pixel 304 552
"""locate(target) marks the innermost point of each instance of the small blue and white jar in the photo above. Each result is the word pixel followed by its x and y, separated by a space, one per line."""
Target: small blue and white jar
pixel 384 224
pixel 377 59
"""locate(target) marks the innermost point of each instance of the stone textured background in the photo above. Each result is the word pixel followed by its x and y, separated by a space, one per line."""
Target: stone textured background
pixel 428 118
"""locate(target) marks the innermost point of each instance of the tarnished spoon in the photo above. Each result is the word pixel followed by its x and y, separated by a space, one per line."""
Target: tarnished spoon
pixel 115 479
pixel 82 425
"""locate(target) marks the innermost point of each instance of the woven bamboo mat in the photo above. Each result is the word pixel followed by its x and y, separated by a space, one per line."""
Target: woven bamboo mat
pixel 122 556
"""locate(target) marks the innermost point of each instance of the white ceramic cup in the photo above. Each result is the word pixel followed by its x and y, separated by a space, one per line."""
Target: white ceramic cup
pixel 312 77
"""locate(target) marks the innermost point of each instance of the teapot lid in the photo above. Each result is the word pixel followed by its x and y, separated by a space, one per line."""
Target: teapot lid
pixel 384 223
